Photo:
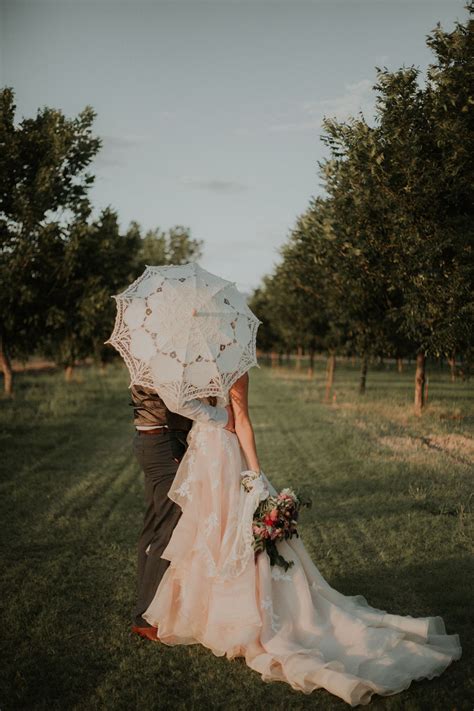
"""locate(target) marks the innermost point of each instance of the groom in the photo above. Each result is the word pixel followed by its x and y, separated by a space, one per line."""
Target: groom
pixel 159 445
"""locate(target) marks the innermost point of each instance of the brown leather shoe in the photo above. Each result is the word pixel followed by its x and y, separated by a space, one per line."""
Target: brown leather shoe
pixel 147 632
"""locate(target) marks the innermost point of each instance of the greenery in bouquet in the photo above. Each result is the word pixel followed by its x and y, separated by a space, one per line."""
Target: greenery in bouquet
pixel 276 519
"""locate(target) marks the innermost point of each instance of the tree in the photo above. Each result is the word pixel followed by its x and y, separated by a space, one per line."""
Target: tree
pixel 175 246
pixel 387 254
pixel 309 262
pixel 268 338
pixel 401 210
pixel 97 262
pixel 43 182
pixel 426 171
pixel 367 294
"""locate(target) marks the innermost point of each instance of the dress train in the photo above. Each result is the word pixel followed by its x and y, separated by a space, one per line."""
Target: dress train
pixel 289 626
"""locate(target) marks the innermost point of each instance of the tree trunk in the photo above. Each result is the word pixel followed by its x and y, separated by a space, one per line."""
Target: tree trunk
pixel 420 382
pixel 6 367
pixel 363 374
pixel 400 364
pixel 299 355
pixel 68 372
pixel 311 363
pixel 452 365
pixel 274 358
pixel 330 367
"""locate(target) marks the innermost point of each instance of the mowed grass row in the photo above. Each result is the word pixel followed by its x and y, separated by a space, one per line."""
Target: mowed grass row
pixel 391 519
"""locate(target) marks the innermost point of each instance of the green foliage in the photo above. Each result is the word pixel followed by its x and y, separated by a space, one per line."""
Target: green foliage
pixel 59 269
pixel 97 262
pixel 43 175
pixel 172 247
pixel 383 263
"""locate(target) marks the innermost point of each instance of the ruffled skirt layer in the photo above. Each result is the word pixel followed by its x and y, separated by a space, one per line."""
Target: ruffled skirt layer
pixel 289 626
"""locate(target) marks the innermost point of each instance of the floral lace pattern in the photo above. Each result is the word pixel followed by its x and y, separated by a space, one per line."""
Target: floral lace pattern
pixel 185 490
pixel 184 331
pixel 279 574
pixel 267 605
pixel 210 524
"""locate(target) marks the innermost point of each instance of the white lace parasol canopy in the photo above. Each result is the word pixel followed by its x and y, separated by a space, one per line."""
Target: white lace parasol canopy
pixel 184 332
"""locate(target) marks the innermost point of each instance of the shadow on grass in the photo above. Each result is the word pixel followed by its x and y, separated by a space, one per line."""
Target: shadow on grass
pixel 72 658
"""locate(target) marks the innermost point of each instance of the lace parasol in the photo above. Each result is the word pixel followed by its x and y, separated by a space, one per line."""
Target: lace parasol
pixel 184 331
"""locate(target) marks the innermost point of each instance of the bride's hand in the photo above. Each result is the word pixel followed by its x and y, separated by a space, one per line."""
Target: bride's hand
pixel 251 480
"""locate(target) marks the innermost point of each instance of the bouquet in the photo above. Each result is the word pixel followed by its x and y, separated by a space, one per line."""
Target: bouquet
pixel 275 519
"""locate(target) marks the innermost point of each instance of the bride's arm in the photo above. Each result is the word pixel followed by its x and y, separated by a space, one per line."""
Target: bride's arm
pixel 243 426
pixel 197 410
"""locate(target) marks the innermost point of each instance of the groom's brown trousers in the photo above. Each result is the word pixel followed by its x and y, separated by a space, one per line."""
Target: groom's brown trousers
pixel 159 456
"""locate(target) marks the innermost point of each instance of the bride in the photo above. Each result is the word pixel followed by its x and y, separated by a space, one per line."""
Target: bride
pixel 290 626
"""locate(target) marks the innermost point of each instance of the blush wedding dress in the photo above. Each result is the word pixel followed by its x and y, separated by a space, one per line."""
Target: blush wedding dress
pixel 289 626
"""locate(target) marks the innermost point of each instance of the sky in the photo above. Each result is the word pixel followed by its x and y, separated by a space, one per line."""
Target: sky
pixel 211 112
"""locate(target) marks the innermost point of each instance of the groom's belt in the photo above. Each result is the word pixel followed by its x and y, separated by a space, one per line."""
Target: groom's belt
pixel 159 430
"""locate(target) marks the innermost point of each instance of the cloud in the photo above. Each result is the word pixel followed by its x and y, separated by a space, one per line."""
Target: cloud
pixel 114 146
pixel 357 96
pixel 123 141
pixel 216 186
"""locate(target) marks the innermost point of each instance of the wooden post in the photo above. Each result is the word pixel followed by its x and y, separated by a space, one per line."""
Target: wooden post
pixel 311 363
pixel 330 367
pixel 6 367
pixel 299 355
pixel 363 374
pixel 452 365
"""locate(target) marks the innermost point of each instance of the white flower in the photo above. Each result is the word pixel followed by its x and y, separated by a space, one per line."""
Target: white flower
pixel 267 604
pixel 289 492
pixel 184 490
pixel 278 574
pixel 210 524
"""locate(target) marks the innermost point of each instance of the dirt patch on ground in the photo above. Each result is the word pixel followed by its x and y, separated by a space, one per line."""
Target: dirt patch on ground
pixel 40 364
pixel 401 444
pixel 454 443
pixel 32 365
pixel 457 446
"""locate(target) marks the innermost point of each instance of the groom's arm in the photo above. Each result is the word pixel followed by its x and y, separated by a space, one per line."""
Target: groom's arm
pixel 197 410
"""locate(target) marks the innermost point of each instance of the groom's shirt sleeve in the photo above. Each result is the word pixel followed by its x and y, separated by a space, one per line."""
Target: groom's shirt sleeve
pixel 197 410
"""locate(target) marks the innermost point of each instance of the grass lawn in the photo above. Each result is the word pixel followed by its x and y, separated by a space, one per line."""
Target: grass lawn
pixel 391 520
